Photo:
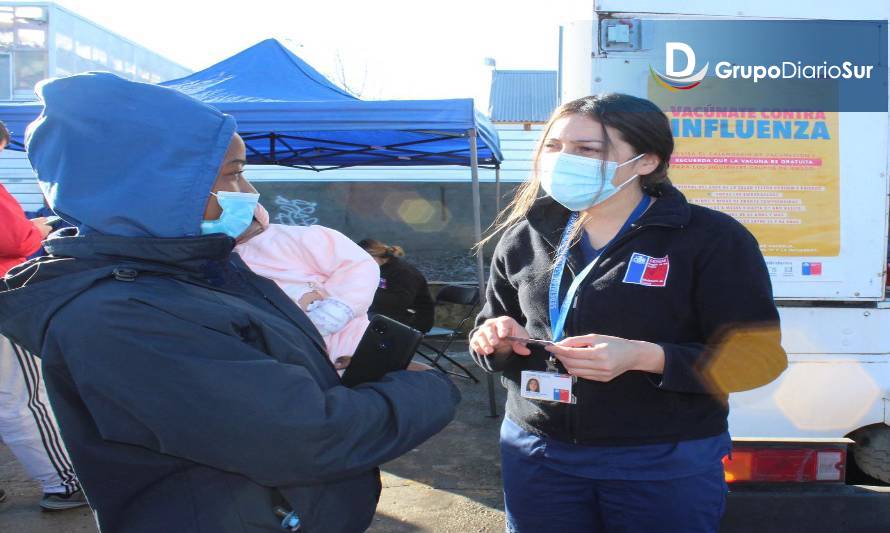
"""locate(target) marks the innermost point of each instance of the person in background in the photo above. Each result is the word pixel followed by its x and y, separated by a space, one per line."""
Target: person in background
pixel 27 424
pixel 193 394
pixel 403 293
pixel 19 237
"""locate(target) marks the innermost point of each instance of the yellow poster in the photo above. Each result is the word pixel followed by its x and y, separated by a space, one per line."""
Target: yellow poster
pixel 776 171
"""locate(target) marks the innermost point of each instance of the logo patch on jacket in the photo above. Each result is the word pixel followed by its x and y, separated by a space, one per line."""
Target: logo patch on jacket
pixel 648 271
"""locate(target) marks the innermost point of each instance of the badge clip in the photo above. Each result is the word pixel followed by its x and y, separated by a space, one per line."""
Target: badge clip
pixel 551 365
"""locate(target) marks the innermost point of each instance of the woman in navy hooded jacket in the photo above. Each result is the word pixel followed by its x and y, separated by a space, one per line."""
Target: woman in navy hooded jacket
pixel 192 394
pixel 659 309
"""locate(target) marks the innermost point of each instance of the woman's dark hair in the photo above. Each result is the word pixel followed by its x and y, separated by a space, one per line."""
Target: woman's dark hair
pixel 378 249
pixel 528 385
pixel 4 134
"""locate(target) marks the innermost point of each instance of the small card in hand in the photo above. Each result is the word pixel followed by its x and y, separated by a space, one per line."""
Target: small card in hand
pixel 531 342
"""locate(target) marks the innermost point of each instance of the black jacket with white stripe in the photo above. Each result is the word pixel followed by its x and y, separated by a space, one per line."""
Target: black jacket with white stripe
pixel 710 308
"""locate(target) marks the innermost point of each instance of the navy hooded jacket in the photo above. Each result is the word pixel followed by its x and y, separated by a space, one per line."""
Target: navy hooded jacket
pixel 192 394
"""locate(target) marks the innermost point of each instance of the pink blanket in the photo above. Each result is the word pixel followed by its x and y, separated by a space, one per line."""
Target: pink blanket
pixel 296 256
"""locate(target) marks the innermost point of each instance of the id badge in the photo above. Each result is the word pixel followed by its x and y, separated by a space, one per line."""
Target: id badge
pixel 547 386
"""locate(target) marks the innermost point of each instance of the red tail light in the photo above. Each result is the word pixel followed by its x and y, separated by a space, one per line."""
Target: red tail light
pixel 786 463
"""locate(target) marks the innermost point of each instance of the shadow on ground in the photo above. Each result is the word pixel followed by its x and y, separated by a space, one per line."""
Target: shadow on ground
pixel 453 481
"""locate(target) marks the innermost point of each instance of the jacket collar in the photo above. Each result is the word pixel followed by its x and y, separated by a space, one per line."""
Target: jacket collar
pixel 549 218
pixel 188 257
pixel 189 254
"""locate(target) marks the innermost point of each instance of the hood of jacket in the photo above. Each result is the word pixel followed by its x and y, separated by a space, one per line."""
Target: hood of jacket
pixel 129 159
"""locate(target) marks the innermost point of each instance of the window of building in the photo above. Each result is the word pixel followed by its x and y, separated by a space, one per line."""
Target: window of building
pixel 99 56
pixel 30 67
pixel 32 38
pixel 30 12
pixel 5 77
pixel 7 38
pixel 64 42
pixel 83 50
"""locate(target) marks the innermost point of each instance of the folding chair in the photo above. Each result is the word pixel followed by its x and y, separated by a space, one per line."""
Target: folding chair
pixel 452 294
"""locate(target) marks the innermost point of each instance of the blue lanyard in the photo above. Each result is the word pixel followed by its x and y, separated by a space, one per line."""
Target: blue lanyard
pixel 559 313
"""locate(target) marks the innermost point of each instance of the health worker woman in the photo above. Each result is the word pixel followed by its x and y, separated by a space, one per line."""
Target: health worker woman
pixel 659 309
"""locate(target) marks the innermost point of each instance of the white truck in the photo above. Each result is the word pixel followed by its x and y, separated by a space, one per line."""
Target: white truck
pixel 813 188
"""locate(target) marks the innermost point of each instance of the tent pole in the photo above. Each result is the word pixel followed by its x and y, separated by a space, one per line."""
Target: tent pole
pixel 480 262
pixel 477 209
pixel 497 189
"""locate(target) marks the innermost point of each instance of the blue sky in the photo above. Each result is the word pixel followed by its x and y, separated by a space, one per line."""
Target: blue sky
pixel 387 49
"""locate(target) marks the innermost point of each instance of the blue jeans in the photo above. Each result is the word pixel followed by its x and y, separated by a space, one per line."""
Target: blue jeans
pixel 540 499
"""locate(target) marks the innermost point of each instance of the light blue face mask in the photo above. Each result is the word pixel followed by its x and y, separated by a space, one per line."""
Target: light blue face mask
pixel 237 213
pixel 578 182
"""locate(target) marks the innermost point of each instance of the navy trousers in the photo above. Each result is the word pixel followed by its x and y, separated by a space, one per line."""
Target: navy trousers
pixel 541 499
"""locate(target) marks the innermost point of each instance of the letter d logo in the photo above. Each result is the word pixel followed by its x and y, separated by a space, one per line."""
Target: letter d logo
pixel 670 50
pixel 679 79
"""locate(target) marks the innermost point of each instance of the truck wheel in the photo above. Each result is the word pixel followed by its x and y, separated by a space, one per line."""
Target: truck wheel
pixel 872 451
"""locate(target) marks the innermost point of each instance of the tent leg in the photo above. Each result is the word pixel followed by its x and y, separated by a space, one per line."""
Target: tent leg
pixel 497 189
pixel 480 263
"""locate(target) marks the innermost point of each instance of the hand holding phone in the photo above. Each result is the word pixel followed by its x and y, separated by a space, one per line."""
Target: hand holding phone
pixel 386 346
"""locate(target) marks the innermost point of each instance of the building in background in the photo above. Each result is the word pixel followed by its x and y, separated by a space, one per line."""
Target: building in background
pixel 522 97
pixel 43 40
pixel 520 103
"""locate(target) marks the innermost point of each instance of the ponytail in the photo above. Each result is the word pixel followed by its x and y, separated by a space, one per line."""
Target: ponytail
pixel 377 249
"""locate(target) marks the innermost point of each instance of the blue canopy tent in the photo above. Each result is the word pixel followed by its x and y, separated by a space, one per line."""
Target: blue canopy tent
pixel 289 114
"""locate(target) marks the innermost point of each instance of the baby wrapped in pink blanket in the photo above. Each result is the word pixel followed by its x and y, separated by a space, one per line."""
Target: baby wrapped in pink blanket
pixel 330 277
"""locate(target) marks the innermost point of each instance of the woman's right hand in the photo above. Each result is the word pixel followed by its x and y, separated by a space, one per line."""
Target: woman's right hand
pixel 489 337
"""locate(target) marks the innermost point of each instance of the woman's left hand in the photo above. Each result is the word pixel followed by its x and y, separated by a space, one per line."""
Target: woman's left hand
pixel 603 358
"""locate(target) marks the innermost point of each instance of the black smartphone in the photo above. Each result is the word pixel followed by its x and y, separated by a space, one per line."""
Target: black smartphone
pixel 386 346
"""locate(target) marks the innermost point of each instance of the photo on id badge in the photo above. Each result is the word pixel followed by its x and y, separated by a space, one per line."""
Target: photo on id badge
pixel 547 386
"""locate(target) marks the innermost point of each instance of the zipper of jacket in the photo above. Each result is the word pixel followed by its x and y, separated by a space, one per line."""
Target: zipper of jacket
pixel 573 417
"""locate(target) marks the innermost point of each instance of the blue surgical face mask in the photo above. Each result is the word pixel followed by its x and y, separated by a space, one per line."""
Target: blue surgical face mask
pixel 237 213
pixel 578 182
